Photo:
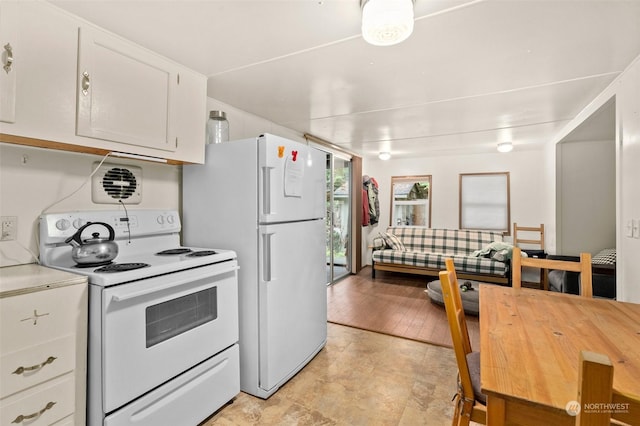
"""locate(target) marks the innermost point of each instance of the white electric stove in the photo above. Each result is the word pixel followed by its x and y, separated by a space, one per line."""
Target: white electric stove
pixel 163 318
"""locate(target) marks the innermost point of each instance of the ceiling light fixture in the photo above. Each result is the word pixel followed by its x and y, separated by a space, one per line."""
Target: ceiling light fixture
pixel 386 22
pixel 505 146
pixel 384 156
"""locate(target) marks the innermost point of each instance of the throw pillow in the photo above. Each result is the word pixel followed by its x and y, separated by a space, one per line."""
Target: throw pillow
pixel 605 257
pixel 394 242
pixel 379 242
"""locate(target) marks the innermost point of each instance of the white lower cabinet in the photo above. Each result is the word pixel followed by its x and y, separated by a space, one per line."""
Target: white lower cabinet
pixel 40 405
pixel 43 346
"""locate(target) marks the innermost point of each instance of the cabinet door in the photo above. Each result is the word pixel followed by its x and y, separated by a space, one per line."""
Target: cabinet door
pixel 191 116
pixel 9 64
pixel 125 93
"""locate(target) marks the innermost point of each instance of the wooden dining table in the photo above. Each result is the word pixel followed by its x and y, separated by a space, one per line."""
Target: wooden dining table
pixel 530 342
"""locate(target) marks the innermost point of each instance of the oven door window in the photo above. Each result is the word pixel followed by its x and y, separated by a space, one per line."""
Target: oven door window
pixel 173 317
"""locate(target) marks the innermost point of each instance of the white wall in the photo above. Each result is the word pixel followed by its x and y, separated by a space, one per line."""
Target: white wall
pixel 31 179
pixel 586 181
pixel 628 140
pixel 529 191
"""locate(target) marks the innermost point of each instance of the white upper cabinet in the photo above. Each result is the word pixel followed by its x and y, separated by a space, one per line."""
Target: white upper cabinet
pixel 125 93
pixel 96 92
pixel 8 63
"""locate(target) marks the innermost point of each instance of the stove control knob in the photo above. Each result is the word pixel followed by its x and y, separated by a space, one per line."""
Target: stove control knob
pixel 63 224
pixel 79 223
pixel 170 219
pixel 160 220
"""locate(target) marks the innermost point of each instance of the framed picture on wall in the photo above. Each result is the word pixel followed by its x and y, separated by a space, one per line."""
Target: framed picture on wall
pixel 411 201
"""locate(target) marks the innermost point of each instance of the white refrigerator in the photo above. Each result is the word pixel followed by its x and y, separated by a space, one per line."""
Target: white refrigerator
pixel 265 199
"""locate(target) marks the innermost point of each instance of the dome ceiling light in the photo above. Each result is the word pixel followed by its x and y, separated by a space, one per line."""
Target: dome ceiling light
pixel 505 146
pixel 386 22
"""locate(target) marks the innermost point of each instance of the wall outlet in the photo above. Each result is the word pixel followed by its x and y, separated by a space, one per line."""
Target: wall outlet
pixel 9 228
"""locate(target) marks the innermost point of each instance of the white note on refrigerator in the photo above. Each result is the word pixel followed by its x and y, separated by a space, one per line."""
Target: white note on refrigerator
pixel 293 176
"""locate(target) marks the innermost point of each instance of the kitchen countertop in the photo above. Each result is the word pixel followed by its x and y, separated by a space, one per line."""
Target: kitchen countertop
pixel 29 278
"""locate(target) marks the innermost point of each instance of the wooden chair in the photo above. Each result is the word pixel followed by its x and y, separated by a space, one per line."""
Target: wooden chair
pixel 584 267
pixel 534 237
pixel 467 401
pixel 529 229
pixel 595 386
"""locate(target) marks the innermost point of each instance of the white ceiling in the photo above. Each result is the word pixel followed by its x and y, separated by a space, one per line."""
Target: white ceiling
pixel 473 73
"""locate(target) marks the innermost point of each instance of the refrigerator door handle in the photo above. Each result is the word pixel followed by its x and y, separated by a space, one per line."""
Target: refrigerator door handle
pixel 266 256
pixel 266 190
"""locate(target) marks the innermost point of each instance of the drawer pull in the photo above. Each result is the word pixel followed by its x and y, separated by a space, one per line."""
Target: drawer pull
pixel 21 370
pixel 22 417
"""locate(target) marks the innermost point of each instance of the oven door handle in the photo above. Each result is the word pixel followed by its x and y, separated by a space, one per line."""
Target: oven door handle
pixel 173 284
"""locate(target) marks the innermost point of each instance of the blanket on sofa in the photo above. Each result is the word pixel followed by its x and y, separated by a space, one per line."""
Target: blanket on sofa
pixel 496 250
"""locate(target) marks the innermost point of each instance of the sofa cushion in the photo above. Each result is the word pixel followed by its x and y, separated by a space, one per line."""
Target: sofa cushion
pixel 463 263
pixel 445 241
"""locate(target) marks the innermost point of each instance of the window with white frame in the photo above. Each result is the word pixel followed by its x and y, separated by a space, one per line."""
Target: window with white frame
pixel 484 201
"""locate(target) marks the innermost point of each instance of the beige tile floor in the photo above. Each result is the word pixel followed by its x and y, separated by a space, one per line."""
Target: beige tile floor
pixel 359 378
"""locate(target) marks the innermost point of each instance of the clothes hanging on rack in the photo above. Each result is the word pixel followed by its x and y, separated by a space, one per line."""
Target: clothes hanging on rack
pixel 365 208
pixel 371 186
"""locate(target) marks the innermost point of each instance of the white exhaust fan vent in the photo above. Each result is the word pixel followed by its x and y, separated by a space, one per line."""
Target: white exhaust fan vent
pixel 113 183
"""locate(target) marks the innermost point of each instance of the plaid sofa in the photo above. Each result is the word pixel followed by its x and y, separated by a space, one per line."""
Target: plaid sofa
pixel 423 251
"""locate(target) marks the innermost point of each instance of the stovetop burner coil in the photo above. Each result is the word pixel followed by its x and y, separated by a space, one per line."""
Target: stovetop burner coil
pixel 169 252
pixel 92 265
pixel 202 253
pixel 121 267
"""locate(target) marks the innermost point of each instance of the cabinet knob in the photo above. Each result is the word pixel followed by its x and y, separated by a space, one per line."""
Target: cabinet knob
pixel 9 57
pixel 86 83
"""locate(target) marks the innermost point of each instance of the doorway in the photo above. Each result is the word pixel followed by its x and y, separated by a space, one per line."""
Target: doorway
pixel 338 218
pixel 586 185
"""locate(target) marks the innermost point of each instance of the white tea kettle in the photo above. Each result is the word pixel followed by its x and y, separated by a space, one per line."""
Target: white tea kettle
pixel 93 251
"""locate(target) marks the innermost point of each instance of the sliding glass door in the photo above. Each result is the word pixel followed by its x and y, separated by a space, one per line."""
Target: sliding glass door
pixel 338 221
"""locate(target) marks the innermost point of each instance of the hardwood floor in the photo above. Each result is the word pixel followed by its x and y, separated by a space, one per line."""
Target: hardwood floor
pixel 394 304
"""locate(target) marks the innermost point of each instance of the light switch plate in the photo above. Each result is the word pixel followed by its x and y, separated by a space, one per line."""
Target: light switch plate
pixel 629 229
pixel 635 225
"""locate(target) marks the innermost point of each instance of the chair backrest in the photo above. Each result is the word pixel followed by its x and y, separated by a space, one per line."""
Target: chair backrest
pixel 529 230
pixel 457 303
pixel 595 389
pixel 583 267
pixel 533 236
pixel 457 325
